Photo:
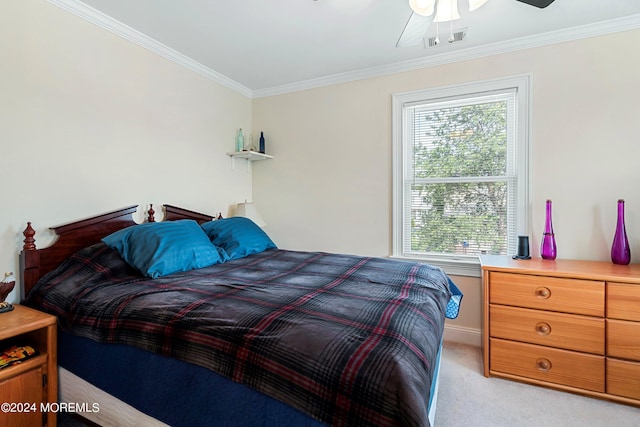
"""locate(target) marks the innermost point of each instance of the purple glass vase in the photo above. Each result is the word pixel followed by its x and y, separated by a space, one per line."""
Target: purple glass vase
pixel 620 252
pixel 548 247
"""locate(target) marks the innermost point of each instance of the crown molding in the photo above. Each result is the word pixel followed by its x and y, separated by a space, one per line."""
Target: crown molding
pixel 584 31
pixel 630 22
pixel 102 20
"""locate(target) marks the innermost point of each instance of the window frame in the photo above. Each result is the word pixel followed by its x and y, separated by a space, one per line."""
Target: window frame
pixel 452 263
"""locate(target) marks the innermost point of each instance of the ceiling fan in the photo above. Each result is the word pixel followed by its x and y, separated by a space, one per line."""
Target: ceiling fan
pixel 445 10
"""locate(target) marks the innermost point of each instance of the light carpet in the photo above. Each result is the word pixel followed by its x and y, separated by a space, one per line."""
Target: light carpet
pixel 467 398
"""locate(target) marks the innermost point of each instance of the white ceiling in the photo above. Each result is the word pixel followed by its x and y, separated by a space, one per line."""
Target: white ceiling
pixel 268 46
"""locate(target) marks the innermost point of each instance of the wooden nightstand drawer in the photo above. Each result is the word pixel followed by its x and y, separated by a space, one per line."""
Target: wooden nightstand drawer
pixel 623 378
pixel 564 367
pixel 567 331
pixel 623 301
pixel 623 339
pixel 19 389
pixel 548 293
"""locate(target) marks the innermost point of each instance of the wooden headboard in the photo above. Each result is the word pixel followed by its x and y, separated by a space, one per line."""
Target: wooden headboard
pixel 35 263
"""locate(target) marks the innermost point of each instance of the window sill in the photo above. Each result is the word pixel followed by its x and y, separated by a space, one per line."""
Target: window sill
pixel 452 265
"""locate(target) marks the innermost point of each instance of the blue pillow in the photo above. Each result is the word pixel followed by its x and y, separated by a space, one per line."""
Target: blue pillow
pixel 161 248
pixel 238 236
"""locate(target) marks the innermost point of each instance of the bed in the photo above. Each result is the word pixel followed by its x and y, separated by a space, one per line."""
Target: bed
pixel 261 337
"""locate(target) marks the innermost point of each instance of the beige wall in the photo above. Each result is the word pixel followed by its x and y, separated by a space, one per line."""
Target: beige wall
pixel 329 185
pixel 90 122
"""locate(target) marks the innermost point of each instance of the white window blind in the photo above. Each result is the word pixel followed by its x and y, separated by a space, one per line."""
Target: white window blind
pixel 462 179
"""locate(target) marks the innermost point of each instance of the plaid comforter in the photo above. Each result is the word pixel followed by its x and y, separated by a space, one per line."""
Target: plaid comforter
pixel 349 340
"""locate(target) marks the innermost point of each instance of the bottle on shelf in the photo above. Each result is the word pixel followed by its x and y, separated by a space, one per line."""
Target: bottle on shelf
pixel 240 141
pixel 261 142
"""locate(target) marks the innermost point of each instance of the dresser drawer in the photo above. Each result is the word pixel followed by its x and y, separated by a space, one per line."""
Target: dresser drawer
pixel 547 293
pixel 623 339
pixel 623 301
pixel 568 331
pixel 623 378
pixel 556 366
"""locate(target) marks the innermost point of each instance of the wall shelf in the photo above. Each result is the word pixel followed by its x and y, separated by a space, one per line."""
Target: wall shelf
pixel 249 156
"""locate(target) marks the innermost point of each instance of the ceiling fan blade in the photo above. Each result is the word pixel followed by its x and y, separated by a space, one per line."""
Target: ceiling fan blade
pixel 414 31
pixel 537 3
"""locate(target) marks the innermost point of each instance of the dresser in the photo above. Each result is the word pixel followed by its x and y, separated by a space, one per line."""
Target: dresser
pixel 565 324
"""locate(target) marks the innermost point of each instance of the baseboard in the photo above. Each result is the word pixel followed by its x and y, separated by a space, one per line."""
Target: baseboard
pixel 463 335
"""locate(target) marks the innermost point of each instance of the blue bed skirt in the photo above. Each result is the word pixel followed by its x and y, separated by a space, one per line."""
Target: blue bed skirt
pixel 172 391
pixel 176 392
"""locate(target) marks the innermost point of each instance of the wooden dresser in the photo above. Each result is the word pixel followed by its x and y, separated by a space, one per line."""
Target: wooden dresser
pixel 565 324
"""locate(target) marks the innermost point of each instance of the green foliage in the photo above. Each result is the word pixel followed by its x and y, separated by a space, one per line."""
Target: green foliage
pixel 458 204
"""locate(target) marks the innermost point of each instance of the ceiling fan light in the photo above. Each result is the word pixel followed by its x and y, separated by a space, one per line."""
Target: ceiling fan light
pixel 422 7
pixel 447 10
pixel 475 4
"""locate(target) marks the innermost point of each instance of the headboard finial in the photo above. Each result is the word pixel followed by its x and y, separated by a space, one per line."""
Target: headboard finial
pixel 29 241
pixel 151 212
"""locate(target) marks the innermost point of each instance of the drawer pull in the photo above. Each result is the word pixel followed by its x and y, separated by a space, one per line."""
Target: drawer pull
pixel 543 293
pixel 543 328
pixel 543 364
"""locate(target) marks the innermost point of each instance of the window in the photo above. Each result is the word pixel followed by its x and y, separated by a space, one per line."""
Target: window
pixel 460 171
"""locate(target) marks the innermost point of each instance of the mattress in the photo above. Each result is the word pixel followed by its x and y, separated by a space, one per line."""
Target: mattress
pixel 109 410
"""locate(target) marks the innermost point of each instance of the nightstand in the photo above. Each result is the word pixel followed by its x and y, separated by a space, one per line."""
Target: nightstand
pixel 27 387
